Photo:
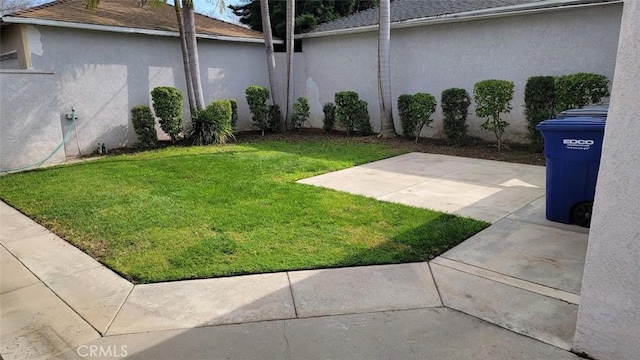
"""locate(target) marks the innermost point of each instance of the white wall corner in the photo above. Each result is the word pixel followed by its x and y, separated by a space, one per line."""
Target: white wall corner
pixel 608 324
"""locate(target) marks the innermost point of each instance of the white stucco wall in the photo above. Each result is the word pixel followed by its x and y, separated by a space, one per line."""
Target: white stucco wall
pixel 299 76
pixel 436 57
pixel 30 124
pixel 103 75
pixel 609 314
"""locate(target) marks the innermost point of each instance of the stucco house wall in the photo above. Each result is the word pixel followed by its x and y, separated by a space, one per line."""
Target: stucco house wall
pixel 29 119
pixel 609 314
pixel 103 75
pixel 432 58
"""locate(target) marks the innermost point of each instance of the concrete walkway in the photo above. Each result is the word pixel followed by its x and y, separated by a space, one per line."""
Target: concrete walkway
pixel 481 189
pixel 521 274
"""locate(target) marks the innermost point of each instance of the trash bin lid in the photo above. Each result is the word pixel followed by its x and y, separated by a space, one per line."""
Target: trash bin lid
pixel 598 110
pixel 573 124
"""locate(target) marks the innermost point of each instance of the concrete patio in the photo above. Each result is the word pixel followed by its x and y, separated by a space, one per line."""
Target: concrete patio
pixel 509 292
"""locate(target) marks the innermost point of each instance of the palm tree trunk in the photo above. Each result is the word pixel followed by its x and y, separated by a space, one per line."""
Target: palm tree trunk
pixel 192 46
pixel 384 70
pixel 185 59
pixel 271 61
pixel 291 23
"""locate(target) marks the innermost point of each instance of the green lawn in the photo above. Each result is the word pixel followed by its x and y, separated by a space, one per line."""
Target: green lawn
pixel 198 212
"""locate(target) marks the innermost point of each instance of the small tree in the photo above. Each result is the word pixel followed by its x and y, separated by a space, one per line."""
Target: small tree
pixel 257 97
pixel 423 105
pixel 492 98
pixel 539 102
pixel 145 126
pixel 168 106
pixel 329 121
pixel 455 107
pixel 415 113
pixel 212 125
pixel 577 90
pixel 301 113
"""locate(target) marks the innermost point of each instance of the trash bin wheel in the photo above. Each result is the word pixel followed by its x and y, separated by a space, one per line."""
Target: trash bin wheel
pixel 581 214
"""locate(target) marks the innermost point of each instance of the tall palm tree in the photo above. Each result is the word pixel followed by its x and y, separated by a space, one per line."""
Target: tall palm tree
pixel 185 58
pixel 384 70
pixel 271 61
pixel 187 30
pixel 290 25
pixel 188 16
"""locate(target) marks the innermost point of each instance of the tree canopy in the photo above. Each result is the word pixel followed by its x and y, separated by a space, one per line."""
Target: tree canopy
pixel 309 13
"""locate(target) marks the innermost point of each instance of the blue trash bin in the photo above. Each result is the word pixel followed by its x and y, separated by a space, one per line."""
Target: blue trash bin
pixel 572 148
pixel 597 110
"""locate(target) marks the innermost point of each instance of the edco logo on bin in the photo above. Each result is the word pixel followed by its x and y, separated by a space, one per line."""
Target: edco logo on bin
pixel 581 144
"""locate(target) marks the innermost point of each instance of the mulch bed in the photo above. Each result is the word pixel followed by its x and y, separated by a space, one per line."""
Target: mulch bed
pixel 476 148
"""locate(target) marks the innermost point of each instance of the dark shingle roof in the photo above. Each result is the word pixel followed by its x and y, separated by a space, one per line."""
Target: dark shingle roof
pixel 127 14
pixel 403 10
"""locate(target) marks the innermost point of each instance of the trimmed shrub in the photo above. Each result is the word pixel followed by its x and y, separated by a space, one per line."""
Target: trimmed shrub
pixel 301 113
pixel 329 121
pixel 404 105
pixel 493 97
pixel 347 106
pixel 361 119
pixel 234 113
pixel 168 106
pixel 212 125
pixel 581 89
pixel 539 102
pixel 455 107
pixel 145 126
pixel 423 105
pixel 352 113
pixel 415 113
pixel 274 117
pixel 257 97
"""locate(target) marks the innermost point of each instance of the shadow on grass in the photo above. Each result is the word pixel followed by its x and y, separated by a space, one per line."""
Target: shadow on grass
pixel 329 150
pixel 269 315
pixel 421 243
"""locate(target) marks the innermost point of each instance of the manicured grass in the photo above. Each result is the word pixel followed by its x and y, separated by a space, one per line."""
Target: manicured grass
pixel 197 212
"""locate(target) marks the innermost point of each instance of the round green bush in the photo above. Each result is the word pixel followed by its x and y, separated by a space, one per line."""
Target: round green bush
pixel 577 90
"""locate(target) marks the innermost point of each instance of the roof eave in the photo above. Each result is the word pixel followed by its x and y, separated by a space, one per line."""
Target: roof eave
pixel 512 10
pixel 126 30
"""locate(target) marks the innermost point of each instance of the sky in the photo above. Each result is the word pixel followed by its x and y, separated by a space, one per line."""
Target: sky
pixel 212 8
pixel 207 7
